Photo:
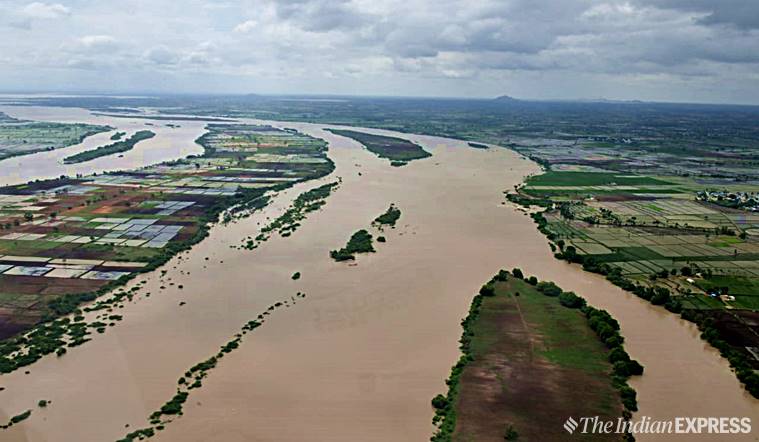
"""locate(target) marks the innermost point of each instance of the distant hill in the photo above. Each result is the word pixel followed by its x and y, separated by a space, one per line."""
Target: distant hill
pixel 506 98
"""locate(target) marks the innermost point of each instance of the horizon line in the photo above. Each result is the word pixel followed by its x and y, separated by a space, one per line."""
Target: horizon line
pixel 509 98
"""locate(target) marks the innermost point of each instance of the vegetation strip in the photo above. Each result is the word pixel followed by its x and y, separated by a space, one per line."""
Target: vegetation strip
pixel 480 339
pixel 287 223
pixel 397 150
pixel 16 419
pixel 110 149
pixel 193 377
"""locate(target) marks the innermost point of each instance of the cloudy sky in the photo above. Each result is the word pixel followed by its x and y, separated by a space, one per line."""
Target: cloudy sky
pixel 667 50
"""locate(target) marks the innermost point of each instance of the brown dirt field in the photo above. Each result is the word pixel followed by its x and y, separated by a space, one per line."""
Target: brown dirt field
pixel 11 323
pixel 46 286
pixel 513 383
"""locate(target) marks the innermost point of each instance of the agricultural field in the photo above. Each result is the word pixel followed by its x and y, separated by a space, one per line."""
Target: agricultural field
pixel 20 137
pixel 527 345
pixel 69 237
pixel 654 235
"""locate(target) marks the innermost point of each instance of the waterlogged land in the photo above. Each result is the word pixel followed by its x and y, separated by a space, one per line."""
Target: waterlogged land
pixel 360 357
pixel 21 137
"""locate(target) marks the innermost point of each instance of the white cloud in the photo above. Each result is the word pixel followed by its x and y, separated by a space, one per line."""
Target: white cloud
pixel 98 42
pixel 441 47
pixel 45 10
pixel 246 26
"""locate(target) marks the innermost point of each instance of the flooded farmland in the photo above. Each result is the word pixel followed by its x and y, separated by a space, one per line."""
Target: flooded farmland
pixel 362 355
pixel 170 143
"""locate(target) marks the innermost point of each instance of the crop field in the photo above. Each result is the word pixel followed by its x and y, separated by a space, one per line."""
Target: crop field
pixel 661 233
pixel 525 353
pixel 71 236
pixel 19 137
pixel 583 179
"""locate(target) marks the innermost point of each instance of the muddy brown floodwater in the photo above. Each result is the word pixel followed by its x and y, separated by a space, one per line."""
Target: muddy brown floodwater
pixel 362 355
pixel 169 143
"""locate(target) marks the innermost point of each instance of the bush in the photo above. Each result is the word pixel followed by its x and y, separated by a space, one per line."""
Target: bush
pixel 439 402
pixel 510 433
pixel 548 288
pixel 502 276
pixel 359 242
pixel 517 273
pixel 487 290
pixel 571 300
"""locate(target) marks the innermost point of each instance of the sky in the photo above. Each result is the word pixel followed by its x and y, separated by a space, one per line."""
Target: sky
pixel 657 50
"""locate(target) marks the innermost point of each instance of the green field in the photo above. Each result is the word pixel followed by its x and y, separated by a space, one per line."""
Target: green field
pixel 552 178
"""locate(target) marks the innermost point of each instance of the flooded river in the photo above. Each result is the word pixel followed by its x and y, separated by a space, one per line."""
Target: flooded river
pixel 362 355
pixel 169 143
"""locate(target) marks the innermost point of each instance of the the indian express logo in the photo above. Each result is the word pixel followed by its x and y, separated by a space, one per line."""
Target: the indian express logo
pixel 648 425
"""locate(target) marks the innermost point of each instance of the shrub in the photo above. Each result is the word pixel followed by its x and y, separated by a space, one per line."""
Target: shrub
pixel 510 433
pixel 439 402
pixel 571 300
pixel 548 288
pixel 487 290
